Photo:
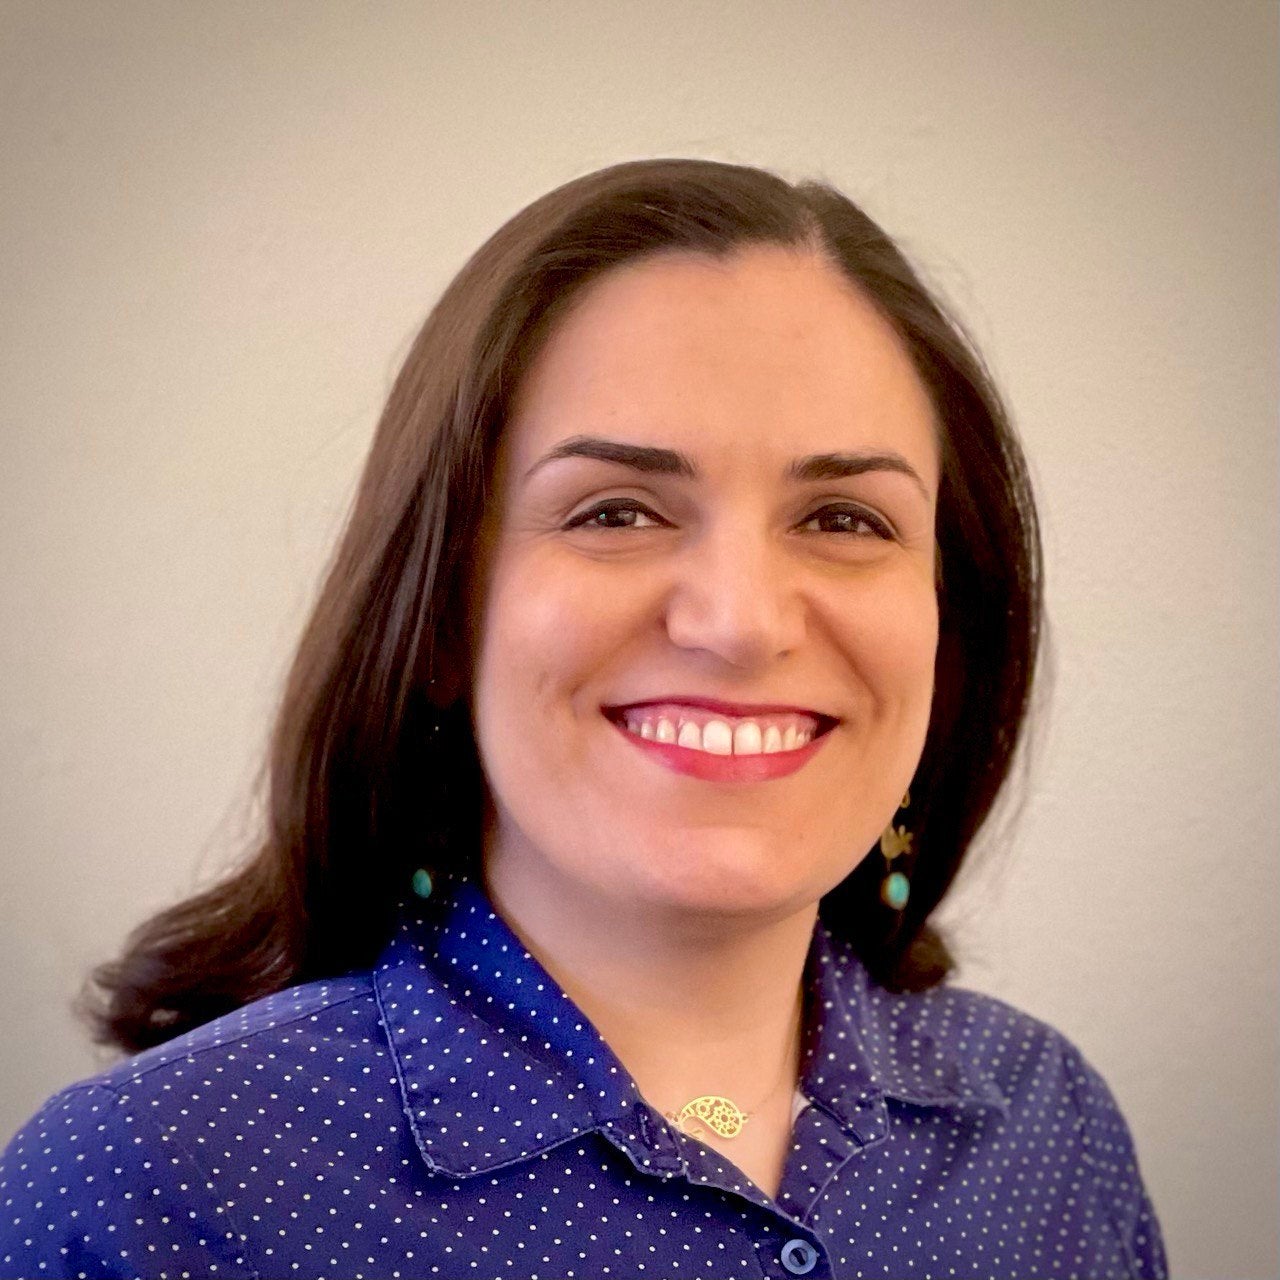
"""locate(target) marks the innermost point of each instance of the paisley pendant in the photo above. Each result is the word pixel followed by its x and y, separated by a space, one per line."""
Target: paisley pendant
pixel 719 1115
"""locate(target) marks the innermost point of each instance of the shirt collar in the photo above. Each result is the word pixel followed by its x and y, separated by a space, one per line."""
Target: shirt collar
pixel 866 1044
pixel 478 1030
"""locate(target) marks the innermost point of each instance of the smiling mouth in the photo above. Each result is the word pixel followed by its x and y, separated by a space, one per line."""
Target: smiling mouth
pixel 715 732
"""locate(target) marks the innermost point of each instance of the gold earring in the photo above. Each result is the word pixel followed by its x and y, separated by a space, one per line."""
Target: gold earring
pixel 895 888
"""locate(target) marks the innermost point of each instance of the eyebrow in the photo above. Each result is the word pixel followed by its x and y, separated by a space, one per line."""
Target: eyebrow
pixel 653 461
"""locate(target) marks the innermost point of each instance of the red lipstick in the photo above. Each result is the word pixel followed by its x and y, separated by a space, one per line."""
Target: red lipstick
pixel 762 767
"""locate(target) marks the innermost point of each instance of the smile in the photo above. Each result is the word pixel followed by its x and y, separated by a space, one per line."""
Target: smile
pixel 700 730
pixel 710 742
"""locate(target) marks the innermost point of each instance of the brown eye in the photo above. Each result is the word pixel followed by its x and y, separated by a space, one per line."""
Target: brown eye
pixel 614 513
pixel 848 519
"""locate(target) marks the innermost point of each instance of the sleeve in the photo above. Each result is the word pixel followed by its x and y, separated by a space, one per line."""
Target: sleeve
pixel 1109 1151
pixel 89 1189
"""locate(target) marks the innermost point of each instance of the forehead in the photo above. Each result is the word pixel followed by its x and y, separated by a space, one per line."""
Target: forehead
pixel 769 352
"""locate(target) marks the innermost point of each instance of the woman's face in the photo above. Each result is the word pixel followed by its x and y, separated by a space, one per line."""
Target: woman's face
pixel 708 622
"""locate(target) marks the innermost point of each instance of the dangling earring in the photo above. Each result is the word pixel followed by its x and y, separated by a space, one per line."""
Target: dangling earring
pixel 895 888
pixel 422 884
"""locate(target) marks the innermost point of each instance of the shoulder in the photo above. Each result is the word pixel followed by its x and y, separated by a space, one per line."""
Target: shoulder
pixel 1033 1064
pixel 955 1048
pixel 151 1133
pixel 958 1049
pixel 272 1034
pixel 953 1037
pixel 164 1101
pixel 1029 1061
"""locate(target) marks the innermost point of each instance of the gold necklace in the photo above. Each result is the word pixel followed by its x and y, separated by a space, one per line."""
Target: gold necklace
pixel 722 1116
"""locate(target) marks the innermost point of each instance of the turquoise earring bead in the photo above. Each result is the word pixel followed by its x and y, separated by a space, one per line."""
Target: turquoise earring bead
pixel 422 885
pixel 895 890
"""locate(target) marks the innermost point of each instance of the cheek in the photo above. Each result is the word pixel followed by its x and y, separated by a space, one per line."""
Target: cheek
pixel 547 639
pixel 914 642
pixel 891 638
pixel 892 644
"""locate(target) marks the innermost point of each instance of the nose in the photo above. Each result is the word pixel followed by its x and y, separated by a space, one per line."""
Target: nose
pixel 737 597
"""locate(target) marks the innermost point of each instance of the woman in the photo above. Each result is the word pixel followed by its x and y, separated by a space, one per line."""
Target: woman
pixel 679 643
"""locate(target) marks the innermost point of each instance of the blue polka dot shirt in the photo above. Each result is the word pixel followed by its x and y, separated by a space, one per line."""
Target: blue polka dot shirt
pixel 453 1114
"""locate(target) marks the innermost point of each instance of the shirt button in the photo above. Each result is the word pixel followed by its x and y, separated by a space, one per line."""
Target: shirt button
pixel 799 1257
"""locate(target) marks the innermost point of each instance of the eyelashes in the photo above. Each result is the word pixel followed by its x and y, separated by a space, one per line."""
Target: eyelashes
pixel 845 519
pixel 613 513
pixel 849 518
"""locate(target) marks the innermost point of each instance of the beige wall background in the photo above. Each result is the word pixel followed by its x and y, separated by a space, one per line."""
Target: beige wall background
pixel 220 226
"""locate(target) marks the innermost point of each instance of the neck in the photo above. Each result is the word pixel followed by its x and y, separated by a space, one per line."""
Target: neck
pixel 690 1003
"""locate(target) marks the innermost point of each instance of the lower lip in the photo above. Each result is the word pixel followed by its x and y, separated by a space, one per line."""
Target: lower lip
pixel 711 768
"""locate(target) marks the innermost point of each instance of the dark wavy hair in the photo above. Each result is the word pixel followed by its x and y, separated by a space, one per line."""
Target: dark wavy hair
pixel 373 769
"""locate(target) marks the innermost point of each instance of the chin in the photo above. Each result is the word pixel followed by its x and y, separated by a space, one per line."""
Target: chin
pixel 727 877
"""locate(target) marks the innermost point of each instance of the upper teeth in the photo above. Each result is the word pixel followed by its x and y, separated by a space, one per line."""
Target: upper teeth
pixel 717 737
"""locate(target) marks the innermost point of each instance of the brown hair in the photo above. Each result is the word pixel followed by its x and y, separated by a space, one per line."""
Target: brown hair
pixel 372 768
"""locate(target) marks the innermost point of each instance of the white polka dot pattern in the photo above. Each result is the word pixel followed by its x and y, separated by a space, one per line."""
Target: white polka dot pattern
pixel 453 1114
